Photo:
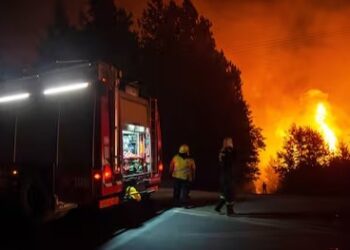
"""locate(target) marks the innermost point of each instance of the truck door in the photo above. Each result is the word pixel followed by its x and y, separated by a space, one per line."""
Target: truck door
pixel 75 146
pixel 111 181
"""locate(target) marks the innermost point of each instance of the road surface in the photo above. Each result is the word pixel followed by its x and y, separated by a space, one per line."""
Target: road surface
pixel 261 222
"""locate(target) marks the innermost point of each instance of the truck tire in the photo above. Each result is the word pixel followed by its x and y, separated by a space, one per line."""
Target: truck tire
pixel 35 199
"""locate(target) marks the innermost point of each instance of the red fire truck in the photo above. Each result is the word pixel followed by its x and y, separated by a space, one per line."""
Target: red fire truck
pixel 74 136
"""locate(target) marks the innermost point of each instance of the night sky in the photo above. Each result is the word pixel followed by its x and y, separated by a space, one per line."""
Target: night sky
pixel 289 52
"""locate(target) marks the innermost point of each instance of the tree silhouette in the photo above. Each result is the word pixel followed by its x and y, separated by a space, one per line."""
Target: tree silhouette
pixel 61 41
pixel 110 36
pixel 303 147
pixel 199 90
pixel 105 34
pixel 304 163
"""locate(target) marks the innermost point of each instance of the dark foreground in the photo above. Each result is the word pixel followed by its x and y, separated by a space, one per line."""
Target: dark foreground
pixel 262 222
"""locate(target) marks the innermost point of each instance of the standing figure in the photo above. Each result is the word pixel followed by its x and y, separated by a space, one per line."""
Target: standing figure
pixel 264 188
pixel 182 170
pixel 227 157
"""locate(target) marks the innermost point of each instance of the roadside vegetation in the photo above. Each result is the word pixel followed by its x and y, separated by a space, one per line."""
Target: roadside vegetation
pixel 306 165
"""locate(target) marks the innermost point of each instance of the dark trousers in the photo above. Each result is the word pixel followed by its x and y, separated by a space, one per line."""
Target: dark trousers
pixel 227 194
pixel 181 191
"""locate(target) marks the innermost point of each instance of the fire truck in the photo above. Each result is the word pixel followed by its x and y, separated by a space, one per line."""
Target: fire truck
pixel 76 136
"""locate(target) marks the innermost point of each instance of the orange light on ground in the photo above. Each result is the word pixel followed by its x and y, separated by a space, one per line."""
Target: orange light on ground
pixel 14 172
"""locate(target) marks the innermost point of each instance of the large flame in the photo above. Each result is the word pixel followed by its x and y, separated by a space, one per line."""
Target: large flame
pixel 327 133
pixel 312 109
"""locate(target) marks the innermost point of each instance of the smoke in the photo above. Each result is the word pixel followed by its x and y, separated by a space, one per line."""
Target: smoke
pixel 284 49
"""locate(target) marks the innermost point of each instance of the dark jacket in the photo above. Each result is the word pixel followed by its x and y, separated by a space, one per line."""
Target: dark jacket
pixel 227 157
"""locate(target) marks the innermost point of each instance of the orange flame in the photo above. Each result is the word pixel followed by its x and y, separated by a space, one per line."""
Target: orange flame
pixel 312 109
pixel 327 133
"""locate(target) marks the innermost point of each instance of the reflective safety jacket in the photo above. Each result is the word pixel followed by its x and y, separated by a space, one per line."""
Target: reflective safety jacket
pixel 183 168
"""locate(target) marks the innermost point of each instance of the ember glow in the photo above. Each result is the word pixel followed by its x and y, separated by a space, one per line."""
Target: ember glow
pixel 326 131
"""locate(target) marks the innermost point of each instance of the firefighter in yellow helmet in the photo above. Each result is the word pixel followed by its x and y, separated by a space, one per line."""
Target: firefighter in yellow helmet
pixel 182 170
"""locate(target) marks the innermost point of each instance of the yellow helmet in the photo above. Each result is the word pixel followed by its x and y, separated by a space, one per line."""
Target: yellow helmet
pixel 184 149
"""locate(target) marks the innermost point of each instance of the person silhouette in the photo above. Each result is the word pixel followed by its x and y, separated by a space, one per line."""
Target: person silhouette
pixel 227 157
pixel 264 188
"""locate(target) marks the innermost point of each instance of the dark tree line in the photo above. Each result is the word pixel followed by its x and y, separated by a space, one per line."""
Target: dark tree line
pixel 174 56
pixel 105 34
pixel 307 166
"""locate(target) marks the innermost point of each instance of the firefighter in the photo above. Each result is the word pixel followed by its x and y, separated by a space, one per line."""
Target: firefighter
pixel 264 188
pixel 227 157
pixel 182 170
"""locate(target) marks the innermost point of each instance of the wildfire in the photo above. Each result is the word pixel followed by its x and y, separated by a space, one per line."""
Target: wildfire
pixel 313 110
pixel 327 133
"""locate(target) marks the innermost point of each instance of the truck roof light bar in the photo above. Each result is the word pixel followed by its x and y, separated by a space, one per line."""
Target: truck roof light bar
pixel 66 88
pixel 15 97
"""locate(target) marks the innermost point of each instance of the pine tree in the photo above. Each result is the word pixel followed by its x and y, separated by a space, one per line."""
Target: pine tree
pixel 59 43
pixel 110 35
pixel 199 90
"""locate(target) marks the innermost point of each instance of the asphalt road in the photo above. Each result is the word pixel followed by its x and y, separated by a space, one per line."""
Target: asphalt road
pixel 261 222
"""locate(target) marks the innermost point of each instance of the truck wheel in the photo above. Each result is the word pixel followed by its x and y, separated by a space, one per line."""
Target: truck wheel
pixel 35 199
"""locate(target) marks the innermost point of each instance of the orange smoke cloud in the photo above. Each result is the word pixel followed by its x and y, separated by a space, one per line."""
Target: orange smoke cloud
pixel 292 54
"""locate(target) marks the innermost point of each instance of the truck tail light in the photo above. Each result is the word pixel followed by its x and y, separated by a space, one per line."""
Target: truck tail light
pixel 97 176
pixel 107 174
pixel 160 167
pixel 118 170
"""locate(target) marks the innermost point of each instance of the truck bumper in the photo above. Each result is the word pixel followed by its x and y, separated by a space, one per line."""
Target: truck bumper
pixel 109 202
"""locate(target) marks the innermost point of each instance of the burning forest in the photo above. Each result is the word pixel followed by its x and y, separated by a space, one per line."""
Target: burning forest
pixel 308 142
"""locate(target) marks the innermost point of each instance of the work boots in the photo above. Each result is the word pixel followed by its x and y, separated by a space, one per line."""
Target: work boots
pixel 219 206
